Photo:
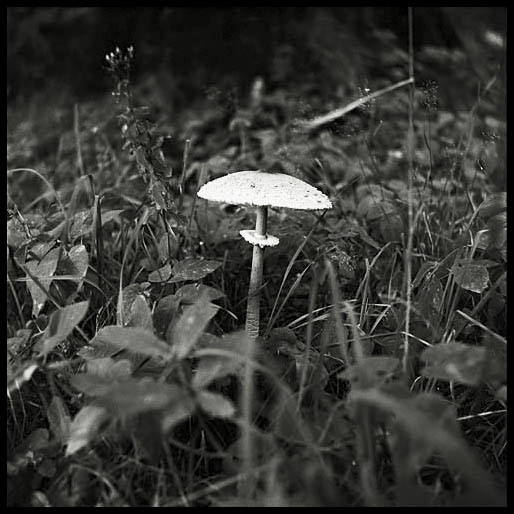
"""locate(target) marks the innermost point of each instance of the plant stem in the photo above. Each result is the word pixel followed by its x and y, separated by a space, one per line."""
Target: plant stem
pixel 410 152
pixel 254 290
pixel 252 329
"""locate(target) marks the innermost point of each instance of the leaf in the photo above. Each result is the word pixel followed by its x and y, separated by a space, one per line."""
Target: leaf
pixel 179 411
pixel 91 384
pixel 219 357
pixel 43 270
pixel 424 423
pixel 59 419
pixel 96 349
pixel 216 405
pixel 47 468
pixel 130 397
pixel 79 257
pixel 167 247
pixel 84 427
pixel 80 224
pixel 15 344
pixel 193 269
pixel 61 324
pixel 497 226
pixel 161 274
pixel 372 208
pixel 494 204
pixel 470 276
pixel 387 228
pixel 17 377
pixel 134 339
pixel 16 233
pixel 37 440
pixel 455 361
pixel 139 314
pixel 164 312
pixel 191 293
pixel 106 367
pixel 29 451
pixel 111 215
pixel 185 333
pixel 41 245
pixel 211 368
pixel 136 312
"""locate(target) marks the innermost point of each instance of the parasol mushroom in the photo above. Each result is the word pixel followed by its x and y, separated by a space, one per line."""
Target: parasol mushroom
pixel 262 190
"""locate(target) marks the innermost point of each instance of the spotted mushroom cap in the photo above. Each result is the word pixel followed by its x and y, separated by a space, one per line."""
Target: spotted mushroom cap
pixel 262 189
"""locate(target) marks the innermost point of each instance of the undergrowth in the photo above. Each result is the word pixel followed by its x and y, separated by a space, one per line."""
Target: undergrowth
pixel 126 301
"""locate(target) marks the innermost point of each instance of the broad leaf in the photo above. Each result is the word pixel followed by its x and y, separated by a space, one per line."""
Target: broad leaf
pixel 47 469
pixel 80 224
pixel 191 293
pixel 193 269
pixel 161 274
pixel 185 333
pixel 130 397
pixel 216 405
pixel 79 257
pixel 372 208
pixel 167 247
pixel 18 376
pixel 29 451
pixel 213 367
pixel 61 324
pixel 423 424
pixel 219 357
pixel 44 271
pixel 471 276
pixel 164 312
pixel 15 344
pixel 106 367
pixel 37 440
pixel 136 311
pixel 494 204
pixel 84 427
pixel 91 384
pixel 497 226
pixel 134 339
pixel 455 361
pixel 16 233
pixel 178 412
pixel 59 419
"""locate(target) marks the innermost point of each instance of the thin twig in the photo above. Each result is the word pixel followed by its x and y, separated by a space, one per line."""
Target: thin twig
pixel 498 337
pixel 408 250
pixel 187 148
pixel 331 116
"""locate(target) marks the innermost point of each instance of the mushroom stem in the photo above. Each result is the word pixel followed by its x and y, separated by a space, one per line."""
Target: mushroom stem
pixel 254 291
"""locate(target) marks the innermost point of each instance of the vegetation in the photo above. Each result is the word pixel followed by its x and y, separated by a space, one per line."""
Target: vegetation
pixel 379 377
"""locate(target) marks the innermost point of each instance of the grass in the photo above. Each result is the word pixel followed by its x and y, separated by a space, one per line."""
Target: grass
pixel 379 378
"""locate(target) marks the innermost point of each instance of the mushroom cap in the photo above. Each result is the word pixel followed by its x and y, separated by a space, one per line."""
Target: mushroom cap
pixel 262 189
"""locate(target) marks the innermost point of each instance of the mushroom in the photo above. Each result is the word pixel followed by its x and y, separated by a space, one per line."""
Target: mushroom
pixel 262 190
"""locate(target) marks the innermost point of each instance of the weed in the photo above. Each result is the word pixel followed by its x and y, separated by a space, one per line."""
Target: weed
pixel 379 377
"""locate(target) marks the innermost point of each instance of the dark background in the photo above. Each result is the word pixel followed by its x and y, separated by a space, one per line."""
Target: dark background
pixel 64 47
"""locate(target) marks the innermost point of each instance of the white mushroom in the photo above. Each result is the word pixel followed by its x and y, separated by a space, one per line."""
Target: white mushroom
pixel 262 190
